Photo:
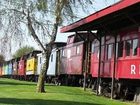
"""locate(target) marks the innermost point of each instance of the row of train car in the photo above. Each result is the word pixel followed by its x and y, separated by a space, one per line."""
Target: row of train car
pixel 22 67
pixel 104 52
pixel 28 67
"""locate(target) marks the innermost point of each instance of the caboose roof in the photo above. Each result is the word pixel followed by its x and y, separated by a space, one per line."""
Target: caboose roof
pixel 121 14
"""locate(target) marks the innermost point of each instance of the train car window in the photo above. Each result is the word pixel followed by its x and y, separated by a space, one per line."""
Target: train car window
pixel 110 48
pixel 68 41
pixel 120 49
pixel 71 39
pixel 93 48
pixel 77 50
pixel 52 58
pixel 96 51
pixel 134 47
pixel 103 52
pixel 68 53
pixel 40 60
pixel 116 50
pixel 127 47
pixel 63 53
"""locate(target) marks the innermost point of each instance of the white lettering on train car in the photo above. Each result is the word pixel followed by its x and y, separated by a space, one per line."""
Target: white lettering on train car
pixel 133 69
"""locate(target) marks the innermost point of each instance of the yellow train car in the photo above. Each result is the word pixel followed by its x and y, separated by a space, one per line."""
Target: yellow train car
pixel 31 66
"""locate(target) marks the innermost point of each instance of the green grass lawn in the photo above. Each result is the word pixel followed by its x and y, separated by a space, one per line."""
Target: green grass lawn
pixel 13 92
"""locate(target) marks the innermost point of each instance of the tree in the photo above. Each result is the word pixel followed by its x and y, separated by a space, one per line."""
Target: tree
pixel 23 51
pixel 41 18
pixel 2 59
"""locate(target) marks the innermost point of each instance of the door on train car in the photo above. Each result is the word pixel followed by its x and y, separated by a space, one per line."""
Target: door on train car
pixel 52 63
pixel 15 66
pixel 94 58
pixel 63 61
pixel 10 68
pixel 107 56
pixel 40 62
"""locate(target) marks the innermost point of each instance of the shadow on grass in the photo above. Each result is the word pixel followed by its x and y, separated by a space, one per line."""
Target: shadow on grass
pixel 22 83
pixel 13 101
pixel 15 83
pixel 18 83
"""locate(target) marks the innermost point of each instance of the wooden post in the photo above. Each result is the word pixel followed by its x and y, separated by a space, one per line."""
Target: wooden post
pixel 114 68
pixel 84 85
pixel 58 61
pixel 86 68
pixel 57 70
pixel 89 56
pixel 99 68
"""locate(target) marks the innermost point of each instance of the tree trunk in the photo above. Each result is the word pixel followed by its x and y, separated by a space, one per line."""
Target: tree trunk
pixel 42 76
pixel 41 83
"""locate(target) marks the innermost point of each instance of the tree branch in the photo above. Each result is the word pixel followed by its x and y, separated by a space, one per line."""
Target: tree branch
pixel 31 29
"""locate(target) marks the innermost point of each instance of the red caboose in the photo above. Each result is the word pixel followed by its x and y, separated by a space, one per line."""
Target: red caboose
pixel 72 57
pixel 73 60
